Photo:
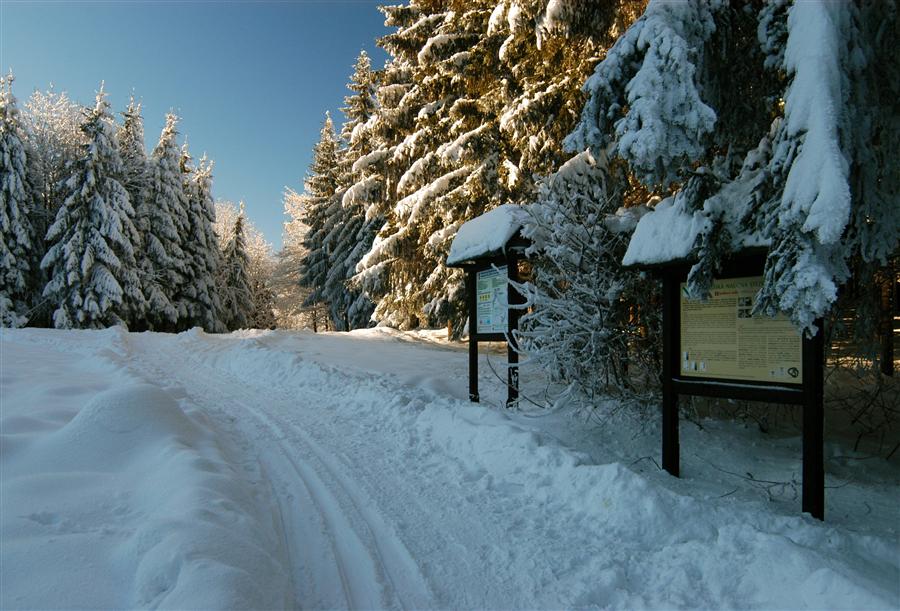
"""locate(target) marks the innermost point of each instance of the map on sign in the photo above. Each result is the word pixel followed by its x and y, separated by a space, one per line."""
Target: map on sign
pixel 720 338
pixel 491 300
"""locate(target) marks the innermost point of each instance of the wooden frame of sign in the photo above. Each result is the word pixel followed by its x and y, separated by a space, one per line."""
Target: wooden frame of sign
pixel 487 279
pixel 693 343
pixel 484 279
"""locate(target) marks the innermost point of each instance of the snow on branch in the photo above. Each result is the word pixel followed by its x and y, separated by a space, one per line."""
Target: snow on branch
pixel 817 190
pixel 643 97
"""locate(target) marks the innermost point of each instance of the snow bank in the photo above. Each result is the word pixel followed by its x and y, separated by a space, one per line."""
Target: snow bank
pixel 500 513
pixel 117 494
pixel 649 547
pixel 114 497
pixel 486 234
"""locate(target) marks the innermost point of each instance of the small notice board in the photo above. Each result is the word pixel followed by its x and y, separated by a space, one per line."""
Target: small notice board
pixel 489 248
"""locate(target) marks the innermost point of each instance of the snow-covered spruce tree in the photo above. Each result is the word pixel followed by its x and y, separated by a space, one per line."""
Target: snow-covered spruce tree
pixel 162 221
pixel 591 325
pixel 549 50
pixel 393 122
pixel 258 250
pixel 470 110
pixel 352 235
pixel 260 258
pixel 828 197
pixel 93 280
pixel 320 206
pixel 53 141
pixel 135 179
pixel 234 283
pixel 130 137
pixel 291 313
pixel 202 254
pixel 17 240
pixel 263 314
pixel 812 181
pixel 451 156
pixel 54 138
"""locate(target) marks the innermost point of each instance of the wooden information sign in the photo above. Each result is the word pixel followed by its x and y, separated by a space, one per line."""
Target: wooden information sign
pixel 489 248
pixel 716 348
pixel 490 301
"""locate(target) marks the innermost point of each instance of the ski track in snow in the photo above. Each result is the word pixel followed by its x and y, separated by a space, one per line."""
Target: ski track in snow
pixel 391 492
pixel 372 567
pixel 366 499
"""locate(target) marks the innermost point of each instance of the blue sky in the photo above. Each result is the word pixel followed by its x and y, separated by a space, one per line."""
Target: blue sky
pixel 250 80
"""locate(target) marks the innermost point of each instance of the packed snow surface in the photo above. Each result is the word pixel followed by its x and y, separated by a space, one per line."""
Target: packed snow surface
pixel 288 469
pixel 486 234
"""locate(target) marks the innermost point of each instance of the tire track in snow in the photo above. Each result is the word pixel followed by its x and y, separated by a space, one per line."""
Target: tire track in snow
pixel 371 564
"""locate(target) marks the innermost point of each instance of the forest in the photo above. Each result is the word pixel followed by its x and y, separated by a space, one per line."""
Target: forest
pixel 750 123
pixel 773 123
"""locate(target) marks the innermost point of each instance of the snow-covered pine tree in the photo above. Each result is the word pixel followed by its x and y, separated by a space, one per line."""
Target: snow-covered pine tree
pixel 93 280
pixel 392 123
pixel 549 50
pixel 320 205
pixel 202 254
pixel 18 266
pixel 828 198
pixel 812 181
pixel 53 142
pixel 291 313
pixel 235 291
pixel 451 156
pixel 258 250
pixel 54 138
pixel 130 137
pixel 263 314
pixel 591 325
pixel 352 234
pixel 162 221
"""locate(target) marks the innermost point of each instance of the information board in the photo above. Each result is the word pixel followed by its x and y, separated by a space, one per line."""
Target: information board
pixel 720 339
pixel 491 300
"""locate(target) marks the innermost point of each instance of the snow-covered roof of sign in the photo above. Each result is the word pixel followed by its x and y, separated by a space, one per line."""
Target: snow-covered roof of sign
pixel 670 232
pixel 487 234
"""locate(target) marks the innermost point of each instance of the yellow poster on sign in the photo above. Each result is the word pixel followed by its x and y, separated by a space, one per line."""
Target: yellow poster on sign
pixel 720 338
pixel 492 301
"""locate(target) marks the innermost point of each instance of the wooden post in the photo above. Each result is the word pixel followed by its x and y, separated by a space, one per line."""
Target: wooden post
pixel 473 335
pixel 512 355
pixel 671 452
pixel 814 424
pixel 887 325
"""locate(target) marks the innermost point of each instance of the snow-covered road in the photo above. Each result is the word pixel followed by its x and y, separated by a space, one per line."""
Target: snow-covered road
pixel 369 482
pixel 341 551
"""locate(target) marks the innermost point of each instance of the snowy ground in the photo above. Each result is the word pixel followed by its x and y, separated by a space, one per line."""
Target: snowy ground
pixel 282 469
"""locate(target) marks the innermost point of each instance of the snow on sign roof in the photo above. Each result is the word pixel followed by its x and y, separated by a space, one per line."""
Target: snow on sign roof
pixel 665 234
pixel 669 233
pixel 486 234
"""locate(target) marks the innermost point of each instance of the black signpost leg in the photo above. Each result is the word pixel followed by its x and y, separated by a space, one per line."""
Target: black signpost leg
pixel 671 452
pixel 473 341
pixel 512 354
pixel 814 425
pixel 512 393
